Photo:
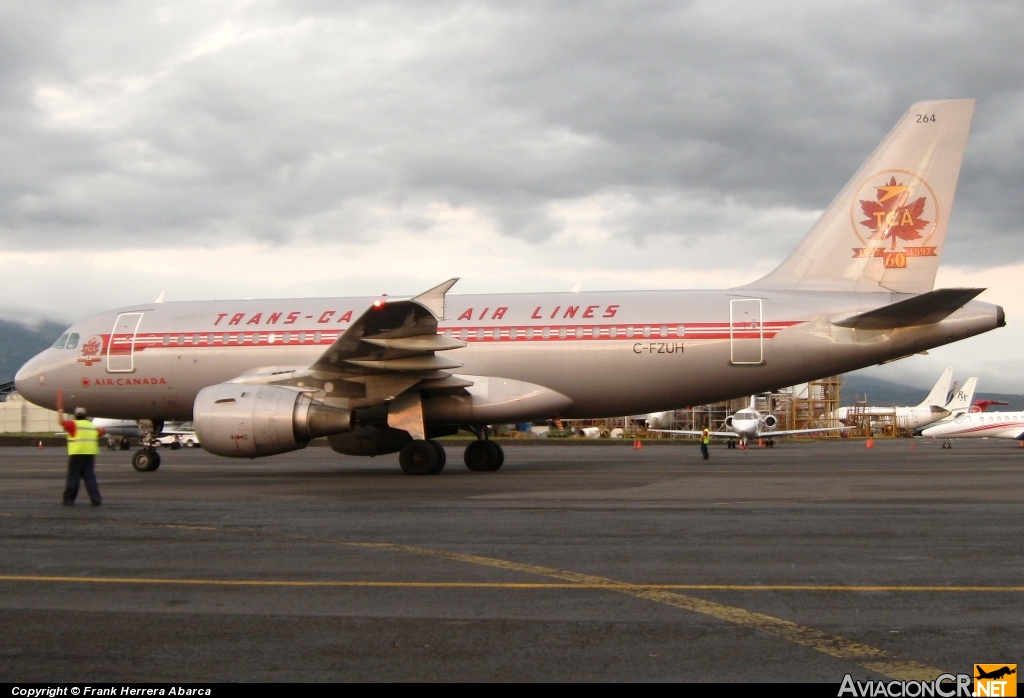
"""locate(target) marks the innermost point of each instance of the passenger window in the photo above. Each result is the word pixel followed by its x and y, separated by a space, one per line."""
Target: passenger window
pixel 181 340
pixel 545 333
pixel 167 340
pixel 681 331
pixel 72 341
pixel 61 341
pixel 316 337
pixel 256 338
pixel 561 333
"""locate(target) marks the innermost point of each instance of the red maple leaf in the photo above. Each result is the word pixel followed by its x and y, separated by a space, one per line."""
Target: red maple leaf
pixel 889 218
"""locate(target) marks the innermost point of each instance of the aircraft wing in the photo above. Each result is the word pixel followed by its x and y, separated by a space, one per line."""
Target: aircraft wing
pixel 922 309
pixel 791 432
pixel 389 349
pixel 684 432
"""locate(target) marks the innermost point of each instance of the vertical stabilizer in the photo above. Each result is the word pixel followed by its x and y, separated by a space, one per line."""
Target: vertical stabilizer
pixel 885 230
pixel 961 400
pixel 940 393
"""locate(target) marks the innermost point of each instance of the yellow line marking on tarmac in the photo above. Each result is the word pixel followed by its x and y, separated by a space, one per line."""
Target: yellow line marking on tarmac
pixel 870 658
pixel 617 586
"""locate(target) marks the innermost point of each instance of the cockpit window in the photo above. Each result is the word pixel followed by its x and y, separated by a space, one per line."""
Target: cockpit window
pixel 61 341
pixel 72 340
pixel 745 415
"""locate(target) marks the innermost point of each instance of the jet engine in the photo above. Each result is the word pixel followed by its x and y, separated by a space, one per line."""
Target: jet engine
pixel 770 421
pixel 728 422
pixel 247 421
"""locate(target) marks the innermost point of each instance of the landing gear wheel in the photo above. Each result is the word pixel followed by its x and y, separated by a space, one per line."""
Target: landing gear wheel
pixel 146 460
pixel 442 457
pixel 420 457
pixel 484 456
pixel 125 445
pixel 175 446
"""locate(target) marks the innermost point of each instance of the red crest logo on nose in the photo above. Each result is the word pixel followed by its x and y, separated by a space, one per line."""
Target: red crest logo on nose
pixel 85 382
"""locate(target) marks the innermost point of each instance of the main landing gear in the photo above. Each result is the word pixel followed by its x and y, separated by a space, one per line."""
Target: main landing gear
pixel 147 460
pixel 425 457
pixel 422 457
pixel 484 456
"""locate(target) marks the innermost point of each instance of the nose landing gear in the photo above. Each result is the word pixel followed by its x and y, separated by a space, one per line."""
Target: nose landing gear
pixel 147 460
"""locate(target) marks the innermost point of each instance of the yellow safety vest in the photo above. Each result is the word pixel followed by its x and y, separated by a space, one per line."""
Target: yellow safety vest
pixel 705 437
pixel 86 441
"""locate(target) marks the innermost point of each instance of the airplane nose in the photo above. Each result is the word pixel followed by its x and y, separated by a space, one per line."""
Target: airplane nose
pixel 30 380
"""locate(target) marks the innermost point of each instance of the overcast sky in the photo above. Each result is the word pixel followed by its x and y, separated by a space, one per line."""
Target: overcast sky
pixel 265 149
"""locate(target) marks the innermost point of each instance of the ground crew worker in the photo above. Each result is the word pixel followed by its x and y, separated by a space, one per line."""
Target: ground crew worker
pixel 83 445
pixel 705 439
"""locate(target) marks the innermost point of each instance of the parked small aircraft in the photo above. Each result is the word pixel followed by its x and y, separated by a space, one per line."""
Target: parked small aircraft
pixel 974 425
pixel 943 401
pixel 748 425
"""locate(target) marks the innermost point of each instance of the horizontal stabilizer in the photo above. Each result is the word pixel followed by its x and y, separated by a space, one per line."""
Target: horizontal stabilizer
pixel 923 309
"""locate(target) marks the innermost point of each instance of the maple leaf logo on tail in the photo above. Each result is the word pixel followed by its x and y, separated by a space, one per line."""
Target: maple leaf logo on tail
pixel 903 210
pixel 890 217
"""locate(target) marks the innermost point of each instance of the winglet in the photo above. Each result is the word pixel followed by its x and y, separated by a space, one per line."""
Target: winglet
pixel 433 300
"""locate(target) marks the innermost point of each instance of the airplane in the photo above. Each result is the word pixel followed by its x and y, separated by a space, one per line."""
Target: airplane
pixel 942 401
pixel 378 375
pixel 119 431
pixel 974 425
pixel 983 405
pixel 994 674
pixel 748 425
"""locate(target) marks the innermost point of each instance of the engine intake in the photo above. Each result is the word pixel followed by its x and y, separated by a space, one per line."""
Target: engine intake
pixel 248 421
pixel 770 421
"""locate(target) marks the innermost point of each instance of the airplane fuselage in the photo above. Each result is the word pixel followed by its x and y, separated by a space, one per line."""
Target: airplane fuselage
pixel 609 353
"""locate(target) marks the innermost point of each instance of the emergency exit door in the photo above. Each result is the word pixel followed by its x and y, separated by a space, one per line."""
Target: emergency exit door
pixel 121 348
pixel 746 332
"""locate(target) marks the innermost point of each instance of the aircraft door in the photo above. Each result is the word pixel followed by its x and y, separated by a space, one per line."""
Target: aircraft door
pixel 746 332
pixel 121 348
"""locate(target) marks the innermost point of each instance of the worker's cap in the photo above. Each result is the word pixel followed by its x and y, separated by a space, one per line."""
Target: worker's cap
pixel 79 411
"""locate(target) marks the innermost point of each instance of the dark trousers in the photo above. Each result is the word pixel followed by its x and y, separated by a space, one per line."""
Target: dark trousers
pixel 81 468
pixel 704 450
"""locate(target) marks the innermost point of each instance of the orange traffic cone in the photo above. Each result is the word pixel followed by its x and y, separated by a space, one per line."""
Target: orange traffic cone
pixel 1021 445
pixel 40 443
pixel 870 443
pixel 911 445
pixel 639 444
pixel 760 443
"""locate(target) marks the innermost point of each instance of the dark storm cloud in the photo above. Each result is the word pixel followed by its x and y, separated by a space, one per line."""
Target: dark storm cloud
pixel 269 121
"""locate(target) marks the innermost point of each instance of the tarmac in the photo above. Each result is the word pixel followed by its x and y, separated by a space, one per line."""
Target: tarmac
pixel 801 563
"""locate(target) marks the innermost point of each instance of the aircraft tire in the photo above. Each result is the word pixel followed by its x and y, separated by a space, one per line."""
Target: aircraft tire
pixel 146 460
pixel 484 456
pixel 420 457
pixel 442 457
pixel 175 446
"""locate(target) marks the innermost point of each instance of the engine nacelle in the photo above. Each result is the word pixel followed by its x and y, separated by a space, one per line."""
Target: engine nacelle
pixel 770 421
pixel 728 422
pixel 247 421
